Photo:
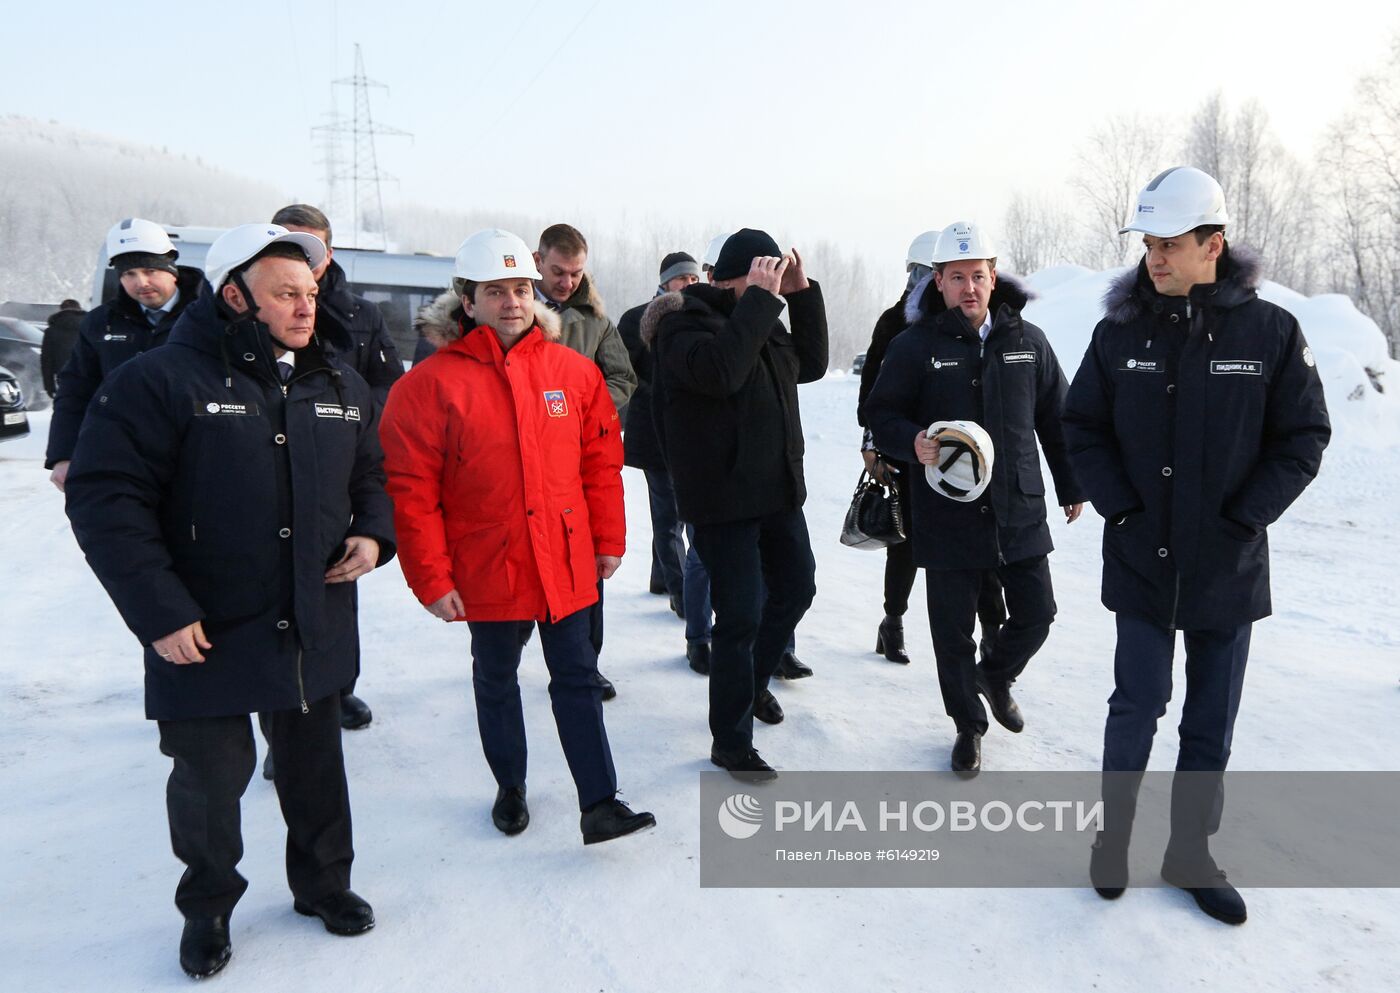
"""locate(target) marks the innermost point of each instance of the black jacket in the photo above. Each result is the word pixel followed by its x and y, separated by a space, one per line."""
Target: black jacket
pixel 725 397
pixel 889 324
pixel 641 447
pixel 200 492
pixel 59 338
pixel 110 334
pixel 355 329
pixel 1201 419
pixel 939 370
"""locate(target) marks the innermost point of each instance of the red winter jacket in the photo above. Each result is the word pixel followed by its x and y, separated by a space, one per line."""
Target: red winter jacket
pixel 505 471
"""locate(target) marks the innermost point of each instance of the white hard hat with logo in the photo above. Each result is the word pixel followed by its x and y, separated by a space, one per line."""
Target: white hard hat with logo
pixel 494 254
pixel 137 235
pixel 237 245
pixel 965 460
pixel 921 250
pixel 712 251
pixel 963 240
pixel 1179 200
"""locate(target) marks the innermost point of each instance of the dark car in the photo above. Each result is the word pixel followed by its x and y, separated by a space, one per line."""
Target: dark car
pixel 857 364
pixel 20 344
pixel 14 422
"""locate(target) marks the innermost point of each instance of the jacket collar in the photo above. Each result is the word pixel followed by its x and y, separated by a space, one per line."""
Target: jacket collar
pixel 481 344
pixel 207 327
pixel 335 305
pixel 1131 294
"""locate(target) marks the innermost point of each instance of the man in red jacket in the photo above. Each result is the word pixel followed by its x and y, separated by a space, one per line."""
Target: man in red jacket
pixel 504 459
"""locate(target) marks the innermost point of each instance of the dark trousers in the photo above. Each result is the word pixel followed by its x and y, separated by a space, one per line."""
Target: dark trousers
pixel 762 580
pixel 1142 677
pixel 595 625
pixel 576 699
pixel 953 599
pixel 698 609
pixel 667 540
pixel 214 762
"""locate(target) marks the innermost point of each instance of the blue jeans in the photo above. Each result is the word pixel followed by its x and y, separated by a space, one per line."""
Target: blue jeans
pixel 667 544
pixel 576 699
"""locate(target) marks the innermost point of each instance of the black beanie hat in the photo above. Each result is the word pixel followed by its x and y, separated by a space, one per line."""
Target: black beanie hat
pixel 146 260
pixel 741 249
pixel 679 264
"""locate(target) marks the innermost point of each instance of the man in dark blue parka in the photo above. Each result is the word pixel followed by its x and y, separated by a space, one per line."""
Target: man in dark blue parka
pixel 227 491
pixel 969 356
pixel 1195 419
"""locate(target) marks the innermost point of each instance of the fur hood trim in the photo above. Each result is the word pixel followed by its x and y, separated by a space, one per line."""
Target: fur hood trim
pixel 441 321
pixel 926 301
pixel 1238 272
pixel 660 306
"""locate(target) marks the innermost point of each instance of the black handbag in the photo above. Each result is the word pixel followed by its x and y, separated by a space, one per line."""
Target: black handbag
pixel 875 519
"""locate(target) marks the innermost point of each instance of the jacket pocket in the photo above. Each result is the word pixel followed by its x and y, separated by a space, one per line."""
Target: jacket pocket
pixel 583 565
pixel 1030 479
pixel 481 567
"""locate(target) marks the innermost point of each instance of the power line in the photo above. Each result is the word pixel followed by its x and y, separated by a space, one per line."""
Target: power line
pixel 544 65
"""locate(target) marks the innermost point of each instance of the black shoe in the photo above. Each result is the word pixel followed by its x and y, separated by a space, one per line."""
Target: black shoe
pixel 611 818
pixel 697 653
pixel 967 754
pixel 342 913
pixel 791 667
pixel 889 640
pixel 766 708
pixel 204 946
pixel 1218 899
pixel 609 690
pixel 510 813
pixel 268 772
pixel 1108 866
pixel 658 588
pixel 1003 706
pixel 354 712
pixel 744 764
pixel 678 607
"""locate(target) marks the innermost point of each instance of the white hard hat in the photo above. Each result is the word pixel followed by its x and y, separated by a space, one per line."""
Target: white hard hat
pixel 137 235
pixel 494 254
pixel 712 250
pixel 921 250
pixel 1177 201
pixel 237 245
pixel 963 240
pixel 965 459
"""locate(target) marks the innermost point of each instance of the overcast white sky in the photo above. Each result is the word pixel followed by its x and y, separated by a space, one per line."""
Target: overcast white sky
pixel 864 122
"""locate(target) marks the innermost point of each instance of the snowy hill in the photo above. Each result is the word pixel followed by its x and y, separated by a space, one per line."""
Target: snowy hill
pixel 88 876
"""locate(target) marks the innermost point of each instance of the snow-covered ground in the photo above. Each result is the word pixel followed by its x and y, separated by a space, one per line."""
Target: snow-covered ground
pixel 87 876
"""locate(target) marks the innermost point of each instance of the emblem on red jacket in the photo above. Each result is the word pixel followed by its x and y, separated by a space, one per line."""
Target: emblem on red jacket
pixel 554 403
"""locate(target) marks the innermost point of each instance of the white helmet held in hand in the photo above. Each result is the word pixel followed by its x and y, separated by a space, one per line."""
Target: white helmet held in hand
pixel 963 240
pixel 965 459
pixel 237 245
pixel 921 250
pixel 494 254
pixel 712 251
pixel 1179 200
pixel 137 235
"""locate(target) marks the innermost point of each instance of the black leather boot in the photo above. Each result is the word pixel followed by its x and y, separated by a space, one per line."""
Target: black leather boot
pixel 611 818
pixel 510 813
pixel 889 641
pixel 767 709
pixel 344 913
pixel 609 690
pixel 697 653
pixel 1003 706
pixel 792 667
pixel 1108 864
pixel 354 712
pixel 744 764
pixel 967 754
pixel 205 946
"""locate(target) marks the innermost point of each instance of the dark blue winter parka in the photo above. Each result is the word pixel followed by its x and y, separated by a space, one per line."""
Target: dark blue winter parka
pixel 198 491
pixel 109 335
pixel 1194 422
pixel 940 370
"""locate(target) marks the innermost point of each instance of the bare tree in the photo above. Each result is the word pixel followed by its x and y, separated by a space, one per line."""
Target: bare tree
pixel 1113 163
pixel 1035 233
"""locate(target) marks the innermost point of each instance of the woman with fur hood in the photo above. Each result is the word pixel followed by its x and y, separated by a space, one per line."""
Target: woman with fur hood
pixel 504 460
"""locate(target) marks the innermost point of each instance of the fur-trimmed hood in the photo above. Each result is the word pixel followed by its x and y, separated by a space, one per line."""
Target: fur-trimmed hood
pixel 925 300
pixel 441 321
pixel 704 295
pixel 1131 294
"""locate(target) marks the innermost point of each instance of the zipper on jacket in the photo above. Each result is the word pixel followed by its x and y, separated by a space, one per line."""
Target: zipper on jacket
pixel 301 687
pixel 192 535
